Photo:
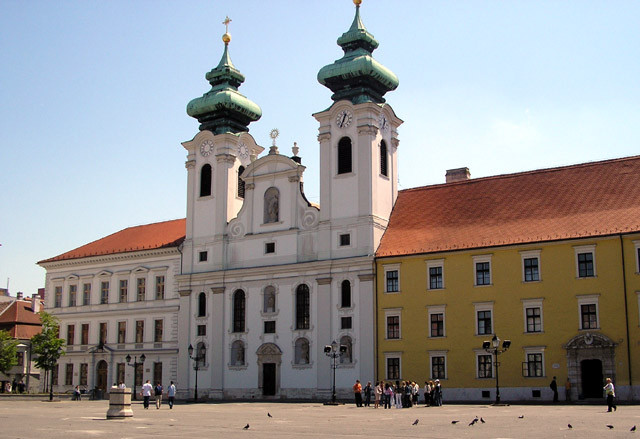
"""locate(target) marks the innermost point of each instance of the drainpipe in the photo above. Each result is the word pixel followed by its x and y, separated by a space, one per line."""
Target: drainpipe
pixel 626 316
pixel 376 357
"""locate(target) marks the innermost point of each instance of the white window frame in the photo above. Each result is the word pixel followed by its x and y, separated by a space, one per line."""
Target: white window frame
pixel 387 356
pixel 579 249
pixel 533 303
pixel 535 350
pixel 434 263
pixel 484 306
pixel 478 353
pixel 437 309
pixel 480 259
pixel 530 254
pixel 393 312
pixel 588 300
pixel 387 268
pixel 433 354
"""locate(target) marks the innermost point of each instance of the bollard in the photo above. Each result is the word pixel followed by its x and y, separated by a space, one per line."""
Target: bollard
pixel 119 403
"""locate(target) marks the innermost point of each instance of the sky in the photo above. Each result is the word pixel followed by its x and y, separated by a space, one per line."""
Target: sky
pixel 93 98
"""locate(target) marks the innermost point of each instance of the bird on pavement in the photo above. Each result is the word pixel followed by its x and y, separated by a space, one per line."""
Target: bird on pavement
pixel 246 427
pixel 521 417
pixel 416 422
pixel 454 422
pixel 569 425
pixel 633 428
pixel 269 415
pixel 473 422
pixel 609 426
pixel 482 420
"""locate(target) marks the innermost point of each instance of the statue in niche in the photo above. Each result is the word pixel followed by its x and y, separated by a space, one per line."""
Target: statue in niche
pixel 271 205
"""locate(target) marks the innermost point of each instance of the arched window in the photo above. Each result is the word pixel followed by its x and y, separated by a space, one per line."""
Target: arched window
pixel 269 299
pixel 347 357
pixel 271 205
pixel 344 156
pixel 302 351
pixel 240 182
pixel 237 353
pixel 302 307
pixel 384 169
pixel 202 305
pixel 238 311
pixel 205 180
pixel 345 294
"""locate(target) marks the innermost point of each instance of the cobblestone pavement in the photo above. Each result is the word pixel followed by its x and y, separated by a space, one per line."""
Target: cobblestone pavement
pixel 86 419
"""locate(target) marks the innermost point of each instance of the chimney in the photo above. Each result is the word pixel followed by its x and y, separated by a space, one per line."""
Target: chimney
pixel 459 174
pixel 19 295
pixel 35 303
pixel 41 293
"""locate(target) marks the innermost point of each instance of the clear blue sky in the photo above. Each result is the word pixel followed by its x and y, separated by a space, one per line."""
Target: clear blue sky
pixel 93 98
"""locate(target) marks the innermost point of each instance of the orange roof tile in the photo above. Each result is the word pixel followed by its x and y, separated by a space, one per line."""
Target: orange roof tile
pixel 585 200
pixel 145 237
pixel 21 311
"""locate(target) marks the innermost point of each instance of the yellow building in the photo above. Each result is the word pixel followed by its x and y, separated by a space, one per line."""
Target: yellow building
pixel 547 259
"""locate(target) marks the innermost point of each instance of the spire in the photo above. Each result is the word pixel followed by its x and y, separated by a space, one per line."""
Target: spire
pixel 223 109
pixel 357 76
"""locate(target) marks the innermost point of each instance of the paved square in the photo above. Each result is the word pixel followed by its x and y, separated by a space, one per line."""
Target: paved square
pixel 22 418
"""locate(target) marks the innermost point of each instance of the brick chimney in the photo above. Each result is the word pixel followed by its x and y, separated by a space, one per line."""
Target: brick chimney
pixel 19 295
pixel 459 174
pixel 35 303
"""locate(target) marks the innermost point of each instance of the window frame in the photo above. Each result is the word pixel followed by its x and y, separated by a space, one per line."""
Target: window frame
pixel 341 167
pixel 85 329
pixel 387 269
pixel 139 334
pixel 122 332
pixel 205 190
pixel 527 255
pixel 581 250
pixel 160 286
pixel 393 313
pixel 532 304
pixel 104 292
pixel 591 299
pixel 239 311
pixel 141 289
pixel 86 293
pixel 57 296
pixel 346 293
pixel 71 334
pixel 482 259
pixel 123 290
pixel 435 263
pixel 392 356
pixel 433 311
pixel 384 159
pixel 485 355
pixel 158 330
pixel 438 354
pixel 302 312
pixel 483 307
pixel 73 295
pixel 534 350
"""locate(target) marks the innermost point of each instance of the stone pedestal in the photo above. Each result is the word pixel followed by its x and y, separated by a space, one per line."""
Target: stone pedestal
pixel 119 403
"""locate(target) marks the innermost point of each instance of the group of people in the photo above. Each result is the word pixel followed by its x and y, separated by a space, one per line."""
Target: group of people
pixel 399 394
pixel 15 387
pixel 147 389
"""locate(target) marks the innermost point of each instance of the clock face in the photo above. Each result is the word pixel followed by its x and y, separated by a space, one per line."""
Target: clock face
pixel 243 151
pixel 383 123
pixel 206 148
pixel 344 118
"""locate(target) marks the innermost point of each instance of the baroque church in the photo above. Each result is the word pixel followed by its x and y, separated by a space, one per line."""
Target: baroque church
pixel 240 299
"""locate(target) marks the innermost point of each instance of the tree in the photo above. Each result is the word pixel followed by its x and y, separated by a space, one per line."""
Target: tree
pixel 8 351
pixel 46 346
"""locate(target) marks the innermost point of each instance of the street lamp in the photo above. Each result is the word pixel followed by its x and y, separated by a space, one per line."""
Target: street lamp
pixel 334 351
pixel 135 365
pixel 202 352
pixel 493 347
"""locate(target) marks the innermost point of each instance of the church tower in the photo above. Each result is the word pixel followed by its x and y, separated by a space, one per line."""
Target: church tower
pixel 358 144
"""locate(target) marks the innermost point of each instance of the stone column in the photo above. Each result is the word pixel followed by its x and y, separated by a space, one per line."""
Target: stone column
pixel 324 336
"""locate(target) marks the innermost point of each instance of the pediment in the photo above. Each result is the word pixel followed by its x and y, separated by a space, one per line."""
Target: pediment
pixel 590 340
pixel 269 349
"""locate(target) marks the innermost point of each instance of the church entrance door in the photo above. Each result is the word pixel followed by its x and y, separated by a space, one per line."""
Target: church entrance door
pixel 101 376
pixel 592 382
pixel 269 379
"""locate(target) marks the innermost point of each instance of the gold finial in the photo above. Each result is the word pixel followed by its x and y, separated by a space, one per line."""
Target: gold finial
pixel 357 2
pixel 227 36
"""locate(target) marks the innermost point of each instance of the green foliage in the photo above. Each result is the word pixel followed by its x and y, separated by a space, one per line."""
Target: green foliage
pixel 46 346
pixel 8 351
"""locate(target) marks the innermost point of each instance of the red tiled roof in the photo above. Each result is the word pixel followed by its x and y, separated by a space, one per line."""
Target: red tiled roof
pixel 585 200
pixel 21 311
pixel 146 237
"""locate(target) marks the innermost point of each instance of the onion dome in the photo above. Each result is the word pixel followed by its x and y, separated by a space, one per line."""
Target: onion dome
pixel 223 109
pixel 357 76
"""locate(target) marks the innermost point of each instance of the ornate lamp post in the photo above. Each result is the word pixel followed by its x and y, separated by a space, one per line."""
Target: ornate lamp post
pixel 202 352
pixel 334 351
pixel 135 365
pixel 493 347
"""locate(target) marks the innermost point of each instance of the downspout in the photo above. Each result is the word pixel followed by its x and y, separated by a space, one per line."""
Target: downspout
pixel 626 316
pixel 375 320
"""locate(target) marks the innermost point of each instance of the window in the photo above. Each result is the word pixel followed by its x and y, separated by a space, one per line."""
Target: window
pixel 393 368
pixel 202 256
pixel 159 287
pixel 205 180
pixel 438 366
pixel 84 335
pixel 139 331
pixel 269 247
pixel 72 295
pixel 86 294
pixel 71 334
pixel 237 353
pixel 302 307
pixel 54 375
pixel 138 374
pixel 533 366
pixel 534 319
pixel 585 261
pixel 68 376
pixel 485 366
pixel 484 322
pixel 141 288
pixel 157 330
pixel 122 332
pixel 435 273
pixel 345 323
pixel 270 327
pixel 392 318
pixel 589 315
pixel 302 351
pixel 57 297
pixel 383 159
pixel 202 330
pixel 84 373
pixel 437 324
pixel 345 294
pixel 344 156
pixel 123 291
pixel 238 311
pixel 19 358
pixel 202 304
pixel 347 357
pixel 392 278
pixel 271 205
pixel 104 292
pixel 345 240
pixel 157 372
pixel 120 372
pixel 531 272
pixel 103 333
pixel 269 305
pixel 240 182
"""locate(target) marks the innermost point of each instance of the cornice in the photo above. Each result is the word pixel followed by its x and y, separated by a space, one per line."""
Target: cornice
pixel 114 257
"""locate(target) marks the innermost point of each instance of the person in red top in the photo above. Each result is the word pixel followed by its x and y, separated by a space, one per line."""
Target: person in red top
pixel 357 390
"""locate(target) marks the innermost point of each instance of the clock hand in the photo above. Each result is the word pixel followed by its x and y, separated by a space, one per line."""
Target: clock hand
pixel 344 116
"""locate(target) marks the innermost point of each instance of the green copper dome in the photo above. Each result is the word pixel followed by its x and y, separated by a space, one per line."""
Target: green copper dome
pixel 357 76
pixel 223 109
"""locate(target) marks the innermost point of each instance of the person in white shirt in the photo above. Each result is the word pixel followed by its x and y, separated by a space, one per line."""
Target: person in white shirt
pixel 171 394
pixel 147 388
pixel 610 390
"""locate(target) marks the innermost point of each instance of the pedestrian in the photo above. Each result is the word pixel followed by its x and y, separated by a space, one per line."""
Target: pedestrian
pixel 357 391
pixel 427 391
pixel 438 394
pixel 367 394
pixel 567 390
pixel 14 386
pixel 171 394
pixel 76 394
pixel 432 393
pixel 158 393
pixel 122 385
pixel 611 394
pixel 388 395
pixel 378 391
pixel 21 386
pixel 415 392
pixel 397 394
pixel 147 388
pixel 554 387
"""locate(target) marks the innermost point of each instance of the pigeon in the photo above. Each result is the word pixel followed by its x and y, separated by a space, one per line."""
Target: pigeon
pixel 633 428
pixel 454 422
pixel 416 422
pixel 569 425
pixel 609 426
pixel 246 427
pixel 482 420
pixel 473 422
pixel 269 415
pixel 521 417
